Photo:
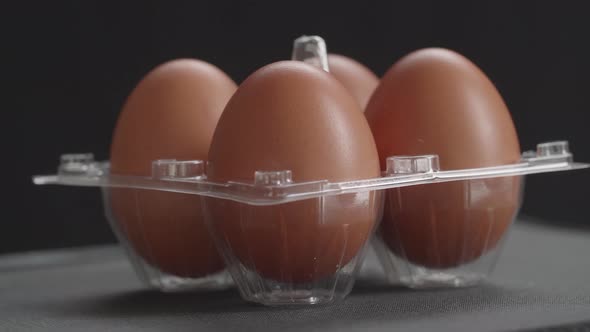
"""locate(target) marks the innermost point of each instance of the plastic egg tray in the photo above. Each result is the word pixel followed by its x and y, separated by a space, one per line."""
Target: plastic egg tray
pixel 266 198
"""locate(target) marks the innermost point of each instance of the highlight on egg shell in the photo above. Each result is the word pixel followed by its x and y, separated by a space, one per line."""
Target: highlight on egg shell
pixel 171 114
pixel 435 101
pixel 293 116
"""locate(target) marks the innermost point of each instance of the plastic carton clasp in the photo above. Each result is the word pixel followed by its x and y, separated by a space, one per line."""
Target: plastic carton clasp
pixel 549 152
pixel 79 164
pixel 398 165
pixel 172 169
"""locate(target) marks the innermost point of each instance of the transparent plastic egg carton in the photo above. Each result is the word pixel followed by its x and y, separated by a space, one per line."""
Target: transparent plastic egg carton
pixel 285 242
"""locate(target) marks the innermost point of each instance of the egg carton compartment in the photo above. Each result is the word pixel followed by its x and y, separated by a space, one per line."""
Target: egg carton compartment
pixel 302 252
pixel 446 234
pixel 288 242
pixel 178 257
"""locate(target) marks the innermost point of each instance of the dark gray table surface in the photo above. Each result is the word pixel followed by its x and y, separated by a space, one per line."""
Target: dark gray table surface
pixel 542 281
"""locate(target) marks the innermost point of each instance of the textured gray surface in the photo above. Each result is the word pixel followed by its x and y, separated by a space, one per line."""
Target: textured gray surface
pixel 542 280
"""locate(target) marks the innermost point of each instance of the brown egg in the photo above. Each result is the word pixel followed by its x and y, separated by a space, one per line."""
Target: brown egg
pixel 435 101
pixel 359 80
pixel 171 114
pixel 292 116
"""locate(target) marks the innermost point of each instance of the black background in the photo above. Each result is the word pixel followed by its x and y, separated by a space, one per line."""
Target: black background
pixel 71 64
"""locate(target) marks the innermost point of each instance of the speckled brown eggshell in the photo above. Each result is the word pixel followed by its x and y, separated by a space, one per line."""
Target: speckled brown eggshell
pixel 292 116
pixel 435 101
pixel 171 114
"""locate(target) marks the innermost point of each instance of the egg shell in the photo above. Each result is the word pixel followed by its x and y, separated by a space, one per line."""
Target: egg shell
pixel 435 101
pixel 292 116
pixel 359 80
pixel 171 114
